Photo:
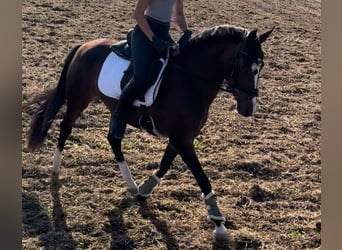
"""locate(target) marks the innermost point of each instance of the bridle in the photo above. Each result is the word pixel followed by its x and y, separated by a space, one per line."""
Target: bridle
pixel 230 78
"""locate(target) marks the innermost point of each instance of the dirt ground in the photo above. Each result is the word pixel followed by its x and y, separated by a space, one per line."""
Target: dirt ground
pixel 265 170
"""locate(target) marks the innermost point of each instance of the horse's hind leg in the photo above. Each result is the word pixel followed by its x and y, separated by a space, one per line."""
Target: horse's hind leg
pixel 65 131
pixel 72 113
pixel 124 169
pixel 147 187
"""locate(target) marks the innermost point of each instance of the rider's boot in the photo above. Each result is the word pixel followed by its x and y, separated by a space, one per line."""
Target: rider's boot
pixel 117 124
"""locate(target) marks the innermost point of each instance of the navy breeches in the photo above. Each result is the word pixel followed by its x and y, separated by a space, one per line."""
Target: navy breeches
pixel 143 53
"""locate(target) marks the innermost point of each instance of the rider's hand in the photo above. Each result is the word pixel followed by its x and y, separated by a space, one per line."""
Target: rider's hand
pixel 160 45
pixel 185 38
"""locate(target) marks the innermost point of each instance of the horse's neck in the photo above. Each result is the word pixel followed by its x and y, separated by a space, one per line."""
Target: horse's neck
pixel 205 70
pixel 210 63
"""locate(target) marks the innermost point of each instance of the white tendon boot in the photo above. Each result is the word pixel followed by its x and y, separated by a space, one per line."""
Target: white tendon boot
pixel 147 187
pixel 126 174
pixel 215 215
pixel 57 159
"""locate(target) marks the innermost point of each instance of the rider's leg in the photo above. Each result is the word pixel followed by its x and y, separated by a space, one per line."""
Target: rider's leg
pixel 142 56
pixel 117 123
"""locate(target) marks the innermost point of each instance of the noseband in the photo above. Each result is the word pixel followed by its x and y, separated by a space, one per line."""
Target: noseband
pixel 231 77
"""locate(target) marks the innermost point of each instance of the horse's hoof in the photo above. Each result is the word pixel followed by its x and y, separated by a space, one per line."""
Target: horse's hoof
pixel 132 191
pixel 221 233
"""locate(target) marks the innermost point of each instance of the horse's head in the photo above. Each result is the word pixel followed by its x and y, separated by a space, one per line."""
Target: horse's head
pixel 244 70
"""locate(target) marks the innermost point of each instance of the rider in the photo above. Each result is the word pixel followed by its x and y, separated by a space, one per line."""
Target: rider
pixel 150 40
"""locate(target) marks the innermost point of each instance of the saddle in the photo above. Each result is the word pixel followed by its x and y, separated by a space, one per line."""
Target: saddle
pixel 123 49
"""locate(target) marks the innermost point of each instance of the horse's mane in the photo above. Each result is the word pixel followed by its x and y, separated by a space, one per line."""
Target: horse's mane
pixel 227 33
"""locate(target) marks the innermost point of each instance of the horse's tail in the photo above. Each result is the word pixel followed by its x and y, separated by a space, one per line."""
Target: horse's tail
pixel 54 99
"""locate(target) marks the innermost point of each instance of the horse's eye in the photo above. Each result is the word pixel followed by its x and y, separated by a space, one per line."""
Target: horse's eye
pixel 255 72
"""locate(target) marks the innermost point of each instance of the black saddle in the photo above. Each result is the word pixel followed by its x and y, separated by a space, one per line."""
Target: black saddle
pixel 123 48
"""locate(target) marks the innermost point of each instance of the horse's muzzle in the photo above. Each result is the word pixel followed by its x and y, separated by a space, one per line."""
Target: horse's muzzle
pixel 245 113
pixel 246 109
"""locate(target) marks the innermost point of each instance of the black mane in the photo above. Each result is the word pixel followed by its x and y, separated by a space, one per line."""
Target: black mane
pixel 214 35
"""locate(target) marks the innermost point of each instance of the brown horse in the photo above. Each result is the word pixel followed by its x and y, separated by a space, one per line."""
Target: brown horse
pixel 222 55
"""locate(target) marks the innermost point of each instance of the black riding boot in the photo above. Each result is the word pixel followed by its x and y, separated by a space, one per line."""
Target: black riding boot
pixel 117 124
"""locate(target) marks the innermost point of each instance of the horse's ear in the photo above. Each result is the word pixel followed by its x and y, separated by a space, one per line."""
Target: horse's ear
pixel 252 35
pixel 263 37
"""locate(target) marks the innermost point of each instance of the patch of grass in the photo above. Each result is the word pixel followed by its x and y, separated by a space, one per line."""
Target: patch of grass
pixel 105 146
pixel 295 233
pixel 197 144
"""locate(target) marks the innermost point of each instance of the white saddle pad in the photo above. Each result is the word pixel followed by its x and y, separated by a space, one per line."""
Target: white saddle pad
pixel 110 76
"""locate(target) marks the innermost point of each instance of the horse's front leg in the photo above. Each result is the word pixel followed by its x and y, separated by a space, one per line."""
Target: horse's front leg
pixel 146 188
pixel 188 154
pixel 124 169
